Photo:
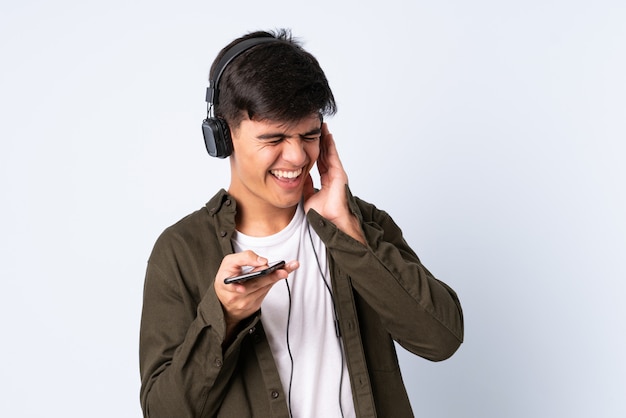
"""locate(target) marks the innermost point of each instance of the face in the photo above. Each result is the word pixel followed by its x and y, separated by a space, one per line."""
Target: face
pixel 272 160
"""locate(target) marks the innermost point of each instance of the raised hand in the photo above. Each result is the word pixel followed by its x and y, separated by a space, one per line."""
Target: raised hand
pixel 331 201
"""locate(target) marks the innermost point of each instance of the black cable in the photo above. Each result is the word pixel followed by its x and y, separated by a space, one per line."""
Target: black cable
pixel 337 330
pixel 289 349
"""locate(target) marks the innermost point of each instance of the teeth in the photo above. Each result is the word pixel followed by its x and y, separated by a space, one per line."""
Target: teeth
pixel 287 174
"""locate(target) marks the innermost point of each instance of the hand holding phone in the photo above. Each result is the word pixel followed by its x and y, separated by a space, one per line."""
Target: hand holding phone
pixel 255 273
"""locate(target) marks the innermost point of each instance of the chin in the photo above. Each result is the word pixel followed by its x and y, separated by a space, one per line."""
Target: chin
pixel 289 202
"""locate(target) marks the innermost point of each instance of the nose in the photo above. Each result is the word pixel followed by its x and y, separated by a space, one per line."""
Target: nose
pixel 294 152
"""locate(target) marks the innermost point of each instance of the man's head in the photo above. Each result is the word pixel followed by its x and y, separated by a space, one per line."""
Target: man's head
pixel 273 96
pixel 276 81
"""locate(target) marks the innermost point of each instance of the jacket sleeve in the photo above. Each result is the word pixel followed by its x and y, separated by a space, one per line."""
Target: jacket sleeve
pixel 183 370
pixel 421 313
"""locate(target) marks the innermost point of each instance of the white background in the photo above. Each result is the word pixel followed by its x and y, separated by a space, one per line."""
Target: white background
pixel 492 131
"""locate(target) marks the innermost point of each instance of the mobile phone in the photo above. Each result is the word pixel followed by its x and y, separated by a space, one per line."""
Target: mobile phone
pixel 264 271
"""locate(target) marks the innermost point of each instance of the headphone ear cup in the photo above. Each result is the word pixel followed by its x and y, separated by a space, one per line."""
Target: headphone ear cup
pixel 217 137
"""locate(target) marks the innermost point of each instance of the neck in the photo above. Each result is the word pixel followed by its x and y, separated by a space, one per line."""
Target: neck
pixel 261 222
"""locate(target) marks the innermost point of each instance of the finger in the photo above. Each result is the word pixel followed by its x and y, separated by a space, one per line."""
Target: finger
pixel 322 159
pixel 292 266
pixel 330 148
pixel 232 264
pixel 329 156
pixel 249 258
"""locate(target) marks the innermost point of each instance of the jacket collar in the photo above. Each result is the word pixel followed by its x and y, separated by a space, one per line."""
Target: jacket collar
pixel 221 202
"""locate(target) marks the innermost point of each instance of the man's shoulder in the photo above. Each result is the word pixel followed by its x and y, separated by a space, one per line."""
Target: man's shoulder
pixel 196 224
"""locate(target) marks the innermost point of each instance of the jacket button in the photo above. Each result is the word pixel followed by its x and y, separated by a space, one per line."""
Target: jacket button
pixel 227 203
pixel 321 223
pixel 275 394
pixel 218 363
pixel 251 330
pixel 223 234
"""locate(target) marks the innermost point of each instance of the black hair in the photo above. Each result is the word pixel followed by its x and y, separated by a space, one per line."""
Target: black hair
pixel 277 81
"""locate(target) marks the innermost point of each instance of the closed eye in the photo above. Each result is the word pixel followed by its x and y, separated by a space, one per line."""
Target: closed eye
pixel 271 139
pixel 277 138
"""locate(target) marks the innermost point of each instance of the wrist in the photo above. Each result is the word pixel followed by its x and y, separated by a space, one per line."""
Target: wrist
pixel 352 227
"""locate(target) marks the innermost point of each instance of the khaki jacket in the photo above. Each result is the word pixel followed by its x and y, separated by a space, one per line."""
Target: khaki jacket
pixel 382 292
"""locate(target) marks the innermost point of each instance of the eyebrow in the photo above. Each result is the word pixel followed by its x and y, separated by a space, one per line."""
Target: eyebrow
pixel 276 135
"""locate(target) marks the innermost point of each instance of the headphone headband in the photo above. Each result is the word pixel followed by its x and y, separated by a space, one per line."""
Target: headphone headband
pixel 215 130
pixel 237 49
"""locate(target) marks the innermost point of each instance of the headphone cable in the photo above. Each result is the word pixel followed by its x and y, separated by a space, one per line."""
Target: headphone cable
pixel 336 319
pixel 289 349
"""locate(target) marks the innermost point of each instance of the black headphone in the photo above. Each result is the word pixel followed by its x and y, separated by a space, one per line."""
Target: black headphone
pixel 215 129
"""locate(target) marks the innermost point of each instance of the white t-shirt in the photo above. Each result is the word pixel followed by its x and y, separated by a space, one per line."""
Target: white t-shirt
pixel 307 328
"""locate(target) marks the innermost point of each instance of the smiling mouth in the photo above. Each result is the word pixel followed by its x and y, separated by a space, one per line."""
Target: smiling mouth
pixel 286 175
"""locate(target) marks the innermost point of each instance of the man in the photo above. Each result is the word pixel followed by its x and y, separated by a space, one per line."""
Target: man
pixel 314 338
